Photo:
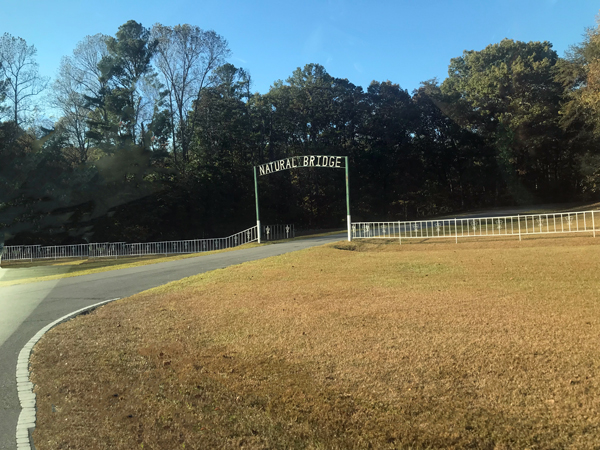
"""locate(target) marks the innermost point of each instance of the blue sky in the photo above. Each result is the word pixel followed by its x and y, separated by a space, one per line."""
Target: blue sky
pixel 403 41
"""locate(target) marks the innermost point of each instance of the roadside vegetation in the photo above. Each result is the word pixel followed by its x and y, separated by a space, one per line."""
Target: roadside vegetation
pixel 157 135
pixel 486 344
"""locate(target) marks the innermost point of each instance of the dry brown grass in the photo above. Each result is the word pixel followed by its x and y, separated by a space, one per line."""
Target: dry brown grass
pixel 491 344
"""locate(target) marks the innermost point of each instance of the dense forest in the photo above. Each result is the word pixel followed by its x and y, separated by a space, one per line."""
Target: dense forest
pixel 157 135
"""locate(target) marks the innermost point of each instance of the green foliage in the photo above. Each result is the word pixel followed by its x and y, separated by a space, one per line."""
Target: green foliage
pixel 186 56
pixel 3 91
pixel 458 164
pixel 130 94
pixel 159 136
pixel 579 74
pixel 508 95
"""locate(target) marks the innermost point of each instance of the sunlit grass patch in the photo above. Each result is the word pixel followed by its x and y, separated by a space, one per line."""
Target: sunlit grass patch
pixel 490 344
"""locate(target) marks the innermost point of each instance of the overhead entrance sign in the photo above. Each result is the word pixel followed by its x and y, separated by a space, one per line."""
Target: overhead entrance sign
pixel 295 162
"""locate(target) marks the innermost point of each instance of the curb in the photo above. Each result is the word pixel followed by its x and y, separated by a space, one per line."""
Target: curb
pixel 26 422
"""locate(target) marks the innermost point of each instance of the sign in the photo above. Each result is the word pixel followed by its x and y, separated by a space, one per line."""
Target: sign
pixel 294 162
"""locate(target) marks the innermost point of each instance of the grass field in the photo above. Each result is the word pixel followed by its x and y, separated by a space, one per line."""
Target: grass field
pixel 492 344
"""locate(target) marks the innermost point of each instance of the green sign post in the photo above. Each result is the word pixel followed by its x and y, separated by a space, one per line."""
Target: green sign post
pixel 348 222
pixel 294 162
pixel 257 214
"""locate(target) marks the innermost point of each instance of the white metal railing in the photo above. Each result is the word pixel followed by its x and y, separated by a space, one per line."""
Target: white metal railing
pixel 277 232
pixel 116 249
pixel 520 225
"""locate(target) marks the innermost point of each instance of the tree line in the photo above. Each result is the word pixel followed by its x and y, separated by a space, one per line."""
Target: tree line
pixel 157 135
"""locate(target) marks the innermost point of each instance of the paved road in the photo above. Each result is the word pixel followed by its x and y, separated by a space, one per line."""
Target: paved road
pixel 26 308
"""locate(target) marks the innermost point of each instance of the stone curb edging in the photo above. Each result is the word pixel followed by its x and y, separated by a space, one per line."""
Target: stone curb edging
pixel 26 422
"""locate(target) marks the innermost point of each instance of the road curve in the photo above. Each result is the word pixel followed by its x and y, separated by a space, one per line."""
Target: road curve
pixel 27 308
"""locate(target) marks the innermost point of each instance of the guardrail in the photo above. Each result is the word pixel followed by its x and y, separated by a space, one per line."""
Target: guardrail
pixel 277 232
pixel 121 249
pixel 519 225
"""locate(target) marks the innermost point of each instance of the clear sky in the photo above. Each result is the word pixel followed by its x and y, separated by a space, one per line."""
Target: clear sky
pixel 404 41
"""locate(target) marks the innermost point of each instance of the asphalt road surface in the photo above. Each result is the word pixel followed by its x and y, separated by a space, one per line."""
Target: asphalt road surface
pixel 27 308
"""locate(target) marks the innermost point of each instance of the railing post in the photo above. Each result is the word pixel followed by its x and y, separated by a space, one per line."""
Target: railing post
pixel 519 223
pixel 593 224
pixel 399 233
pixel 455 232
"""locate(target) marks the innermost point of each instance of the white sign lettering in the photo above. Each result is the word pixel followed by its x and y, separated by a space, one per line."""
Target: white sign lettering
pixel 333 162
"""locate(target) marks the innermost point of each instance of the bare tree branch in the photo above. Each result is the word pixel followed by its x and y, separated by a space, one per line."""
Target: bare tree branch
pixel 185 57
pixel 20 72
